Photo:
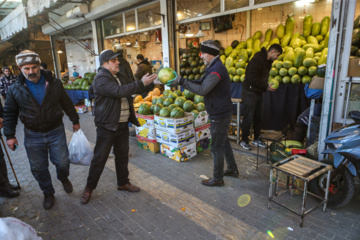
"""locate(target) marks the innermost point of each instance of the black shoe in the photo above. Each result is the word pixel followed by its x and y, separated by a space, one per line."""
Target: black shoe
pixel 231 173
pixel 67 185
pixel 14 187
pixel 49 200
pixel 212 182
pixel 7 191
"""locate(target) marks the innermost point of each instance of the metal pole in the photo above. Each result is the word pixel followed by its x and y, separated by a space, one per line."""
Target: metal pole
pixel 10 162
pixel 347 100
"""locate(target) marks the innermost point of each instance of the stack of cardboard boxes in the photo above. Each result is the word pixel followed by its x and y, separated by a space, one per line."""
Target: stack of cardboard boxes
pixel 146 133
pixel 176 137
pixel 202 131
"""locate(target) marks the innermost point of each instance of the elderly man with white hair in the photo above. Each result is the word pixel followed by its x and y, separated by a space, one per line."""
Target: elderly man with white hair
pixel 40 100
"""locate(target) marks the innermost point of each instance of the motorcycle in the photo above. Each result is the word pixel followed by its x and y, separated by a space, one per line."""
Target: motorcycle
pixel 344 145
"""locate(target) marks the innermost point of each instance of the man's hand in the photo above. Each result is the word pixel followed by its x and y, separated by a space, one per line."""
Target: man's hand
pixel 175 81
pixel 11 143
pixel 270 87
pixel 1 123
pixel 147 78
pixel 76 127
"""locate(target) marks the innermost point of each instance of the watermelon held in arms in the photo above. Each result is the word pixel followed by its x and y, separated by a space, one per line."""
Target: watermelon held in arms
pixel 165 75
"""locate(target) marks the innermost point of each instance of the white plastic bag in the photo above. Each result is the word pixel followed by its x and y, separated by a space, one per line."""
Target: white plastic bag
pixel 15 229
pixel 80 150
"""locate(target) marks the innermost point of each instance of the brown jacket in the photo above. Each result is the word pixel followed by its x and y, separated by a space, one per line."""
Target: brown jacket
pixel 143 68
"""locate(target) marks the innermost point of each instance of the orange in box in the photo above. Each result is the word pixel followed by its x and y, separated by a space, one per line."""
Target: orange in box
pixel 149 145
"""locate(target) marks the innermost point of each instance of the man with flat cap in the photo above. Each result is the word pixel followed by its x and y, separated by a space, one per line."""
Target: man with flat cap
pixel 40 100
pixel 215 86
pixel 113 112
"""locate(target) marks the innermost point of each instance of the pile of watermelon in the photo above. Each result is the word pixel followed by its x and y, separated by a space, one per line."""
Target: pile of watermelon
pixel 191 65
pixel 355 44
pixel 81 83
pixel 173 104
pixel 301 53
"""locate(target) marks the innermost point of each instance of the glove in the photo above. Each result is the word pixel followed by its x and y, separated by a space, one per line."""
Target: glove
pixel 173 82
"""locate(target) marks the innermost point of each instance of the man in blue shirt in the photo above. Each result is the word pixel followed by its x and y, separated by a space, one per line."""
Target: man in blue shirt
pixel 40 100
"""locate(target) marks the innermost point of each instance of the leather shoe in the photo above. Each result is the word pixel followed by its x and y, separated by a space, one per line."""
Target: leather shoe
pixel 49 200
pixel 231 173
pixel 85 197
pixel 128 187
pixel 67 185
pixel 212 182
pixel 7 191
pixel 14 187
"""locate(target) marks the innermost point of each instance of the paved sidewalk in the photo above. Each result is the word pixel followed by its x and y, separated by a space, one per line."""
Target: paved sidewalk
pixel 172 204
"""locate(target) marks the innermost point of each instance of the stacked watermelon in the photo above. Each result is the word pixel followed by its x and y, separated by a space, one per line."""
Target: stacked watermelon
pixel 81 83
pixel 301 53
pixel 191 65
pixel 355 44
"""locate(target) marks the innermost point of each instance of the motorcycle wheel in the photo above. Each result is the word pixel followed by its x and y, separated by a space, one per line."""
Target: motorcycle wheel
pixel 342 187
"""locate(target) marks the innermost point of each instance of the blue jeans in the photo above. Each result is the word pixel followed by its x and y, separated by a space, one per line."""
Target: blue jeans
pixel 220 147
pixel 38 146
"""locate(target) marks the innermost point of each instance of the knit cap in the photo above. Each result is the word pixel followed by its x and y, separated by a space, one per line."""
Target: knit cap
pixel 27 57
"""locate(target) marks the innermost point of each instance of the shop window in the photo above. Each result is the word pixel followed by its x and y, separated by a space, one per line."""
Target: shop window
pixel 147 16
pixel 130 23
pixel 190 9
pixel 231 4
pixel 354 98
pixel 113 25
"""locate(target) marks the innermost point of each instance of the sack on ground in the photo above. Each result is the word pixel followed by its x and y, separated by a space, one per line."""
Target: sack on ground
pixel 80 150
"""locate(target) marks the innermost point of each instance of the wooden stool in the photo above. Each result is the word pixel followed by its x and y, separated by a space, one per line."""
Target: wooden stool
pixel 237 122
pixel 302 168
pixel 268 136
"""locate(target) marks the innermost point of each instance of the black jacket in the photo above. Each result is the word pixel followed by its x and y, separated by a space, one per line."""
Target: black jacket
pixel 108 94
pixel 35 117
pixel 257 72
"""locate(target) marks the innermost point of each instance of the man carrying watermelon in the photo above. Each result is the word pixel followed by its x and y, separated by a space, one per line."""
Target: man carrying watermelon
pixel 113 112
pixel 255 84
pixel 215 86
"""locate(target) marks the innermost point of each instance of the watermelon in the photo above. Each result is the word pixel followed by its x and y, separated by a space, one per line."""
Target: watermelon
pixel 177 113
pixel 198 99
pixel 165 75
pixel 172 95
pixel 188 95
pixel 144 109
pixel 179 101
pixel 166 93
pixel 157 108
pixel 167 102
pixel 188 106
pixel 172 106
pixel 160 100
pixel 178 92
pixel 195 111
pixel 165 112
pixel 200 107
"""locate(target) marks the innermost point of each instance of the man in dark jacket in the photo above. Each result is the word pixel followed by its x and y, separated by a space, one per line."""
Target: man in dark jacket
pixel 113 112
pixel 214 85
pixel 6 81
pixel 255 84
pixel 40 100
pixel 144 67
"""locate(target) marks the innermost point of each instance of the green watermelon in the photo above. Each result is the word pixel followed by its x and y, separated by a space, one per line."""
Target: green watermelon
pixel 188 106
pixel 165 112
pixel 172 95
pixel 177 113
pixel 167 102
pixel 178 92
pixel 160 100
pixel 144 109
pixel 157 108
pixel 166 93
pixel 198 99
pixel 179 101
pixel 188 95
pixel 200 107
pixel 172 106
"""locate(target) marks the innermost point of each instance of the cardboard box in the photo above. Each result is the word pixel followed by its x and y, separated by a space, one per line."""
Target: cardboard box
pixel 317 83
pixel 203 144
pixel 354 67
pixel 178 154
pixel 202 132
pixel 176 140
pixel 174 125
pixel 151 146
pixel 201 118
pixel 147 133
pixel 81 109
pixel 146 120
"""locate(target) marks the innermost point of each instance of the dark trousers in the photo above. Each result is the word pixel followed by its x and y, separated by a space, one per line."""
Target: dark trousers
pixel 105 139
pixel 253 106
pixel 3 168
pixel 220 147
